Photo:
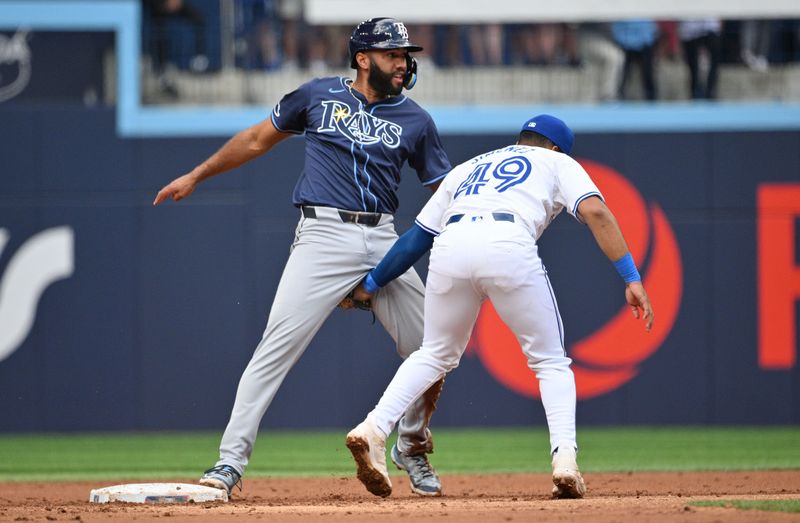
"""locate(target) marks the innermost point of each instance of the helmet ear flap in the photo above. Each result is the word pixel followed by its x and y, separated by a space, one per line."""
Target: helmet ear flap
pixel 410 78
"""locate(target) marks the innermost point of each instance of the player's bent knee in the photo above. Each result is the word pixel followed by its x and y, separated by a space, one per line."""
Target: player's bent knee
pixel 442 363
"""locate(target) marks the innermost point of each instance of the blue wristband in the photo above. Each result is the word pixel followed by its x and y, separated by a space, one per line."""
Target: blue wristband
pixel 369 284
pixel 627 269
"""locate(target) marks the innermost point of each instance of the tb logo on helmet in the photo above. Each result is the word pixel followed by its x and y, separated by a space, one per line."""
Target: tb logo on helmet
pixel 609 357
pixel 384 33
pixel 400 27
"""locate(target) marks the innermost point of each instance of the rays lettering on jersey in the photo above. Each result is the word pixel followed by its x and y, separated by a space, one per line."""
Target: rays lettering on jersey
pixel 509 172
pixel 359 127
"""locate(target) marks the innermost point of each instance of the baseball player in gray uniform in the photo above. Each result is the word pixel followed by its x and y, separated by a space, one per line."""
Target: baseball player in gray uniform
pixel 483 224
pixel 358 135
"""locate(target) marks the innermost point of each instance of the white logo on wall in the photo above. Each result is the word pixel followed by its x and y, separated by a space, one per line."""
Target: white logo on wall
pixel 15 64
pixel 43 259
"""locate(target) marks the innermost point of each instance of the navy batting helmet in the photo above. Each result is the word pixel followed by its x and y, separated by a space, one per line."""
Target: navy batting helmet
pixel 379 33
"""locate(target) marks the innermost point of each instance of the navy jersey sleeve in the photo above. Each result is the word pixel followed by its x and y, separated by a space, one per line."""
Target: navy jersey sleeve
pixel 290 114
pixel 428 157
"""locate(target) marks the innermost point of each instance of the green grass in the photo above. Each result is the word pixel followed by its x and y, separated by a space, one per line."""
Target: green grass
pixel 165 455
pixel 770 505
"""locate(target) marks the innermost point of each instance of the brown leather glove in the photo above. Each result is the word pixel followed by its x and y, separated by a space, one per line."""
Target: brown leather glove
pixel 351 303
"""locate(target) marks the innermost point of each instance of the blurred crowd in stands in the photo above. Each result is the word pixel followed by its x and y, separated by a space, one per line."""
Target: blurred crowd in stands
pixel 272 35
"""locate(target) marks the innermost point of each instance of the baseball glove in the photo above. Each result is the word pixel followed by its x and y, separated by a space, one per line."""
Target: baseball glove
pixel 351 303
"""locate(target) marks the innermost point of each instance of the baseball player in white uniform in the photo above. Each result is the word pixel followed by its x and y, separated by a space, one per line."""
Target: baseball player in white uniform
pixel 483 223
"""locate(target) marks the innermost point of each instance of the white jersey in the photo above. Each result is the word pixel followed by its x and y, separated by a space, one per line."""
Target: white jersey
pixel 481 257
pixel 532 183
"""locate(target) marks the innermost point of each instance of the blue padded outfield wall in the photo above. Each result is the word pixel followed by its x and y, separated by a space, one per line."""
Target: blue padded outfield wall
pixel 115 314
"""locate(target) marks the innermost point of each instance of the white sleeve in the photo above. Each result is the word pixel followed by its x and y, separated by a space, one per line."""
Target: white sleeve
pixel 574 185
pixel 430 217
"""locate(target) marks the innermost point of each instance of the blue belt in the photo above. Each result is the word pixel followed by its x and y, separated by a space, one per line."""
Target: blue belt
pixel 498 217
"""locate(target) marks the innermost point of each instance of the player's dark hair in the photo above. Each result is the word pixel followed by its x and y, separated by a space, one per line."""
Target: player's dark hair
pixel 535 139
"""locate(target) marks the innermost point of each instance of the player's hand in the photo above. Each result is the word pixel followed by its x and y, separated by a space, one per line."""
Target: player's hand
pixel 358 298
pixel 177 189
pixel 637 298
pixel 361 294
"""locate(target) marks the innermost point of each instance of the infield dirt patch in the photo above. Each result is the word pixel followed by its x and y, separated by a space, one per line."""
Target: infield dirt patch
pixel 472 499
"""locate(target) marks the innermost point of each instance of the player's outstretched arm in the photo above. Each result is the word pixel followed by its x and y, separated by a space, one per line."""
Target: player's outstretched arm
pixel 609 238
pixel 404 253
pixel 243 147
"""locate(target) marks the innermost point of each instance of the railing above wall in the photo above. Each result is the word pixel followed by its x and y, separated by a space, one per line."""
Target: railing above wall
pixel 515 11
pixel 485 115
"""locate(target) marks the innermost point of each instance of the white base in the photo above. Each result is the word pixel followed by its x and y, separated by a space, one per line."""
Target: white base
pixel 157 493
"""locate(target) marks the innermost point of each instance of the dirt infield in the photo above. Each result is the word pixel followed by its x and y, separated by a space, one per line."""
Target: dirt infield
pixel 478 499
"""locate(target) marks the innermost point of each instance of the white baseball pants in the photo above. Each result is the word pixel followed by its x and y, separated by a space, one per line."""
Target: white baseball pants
pixel 472 261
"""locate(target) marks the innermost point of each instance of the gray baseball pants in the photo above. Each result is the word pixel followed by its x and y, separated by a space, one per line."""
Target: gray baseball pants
pixel 328 258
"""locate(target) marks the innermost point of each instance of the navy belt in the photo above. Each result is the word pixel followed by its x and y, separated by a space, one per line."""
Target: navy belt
pixel 498 217
pixel 371 219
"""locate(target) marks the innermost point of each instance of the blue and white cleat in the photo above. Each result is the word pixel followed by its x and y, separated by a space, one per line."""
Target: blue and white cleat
pixel 423 478
pixel 223 477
